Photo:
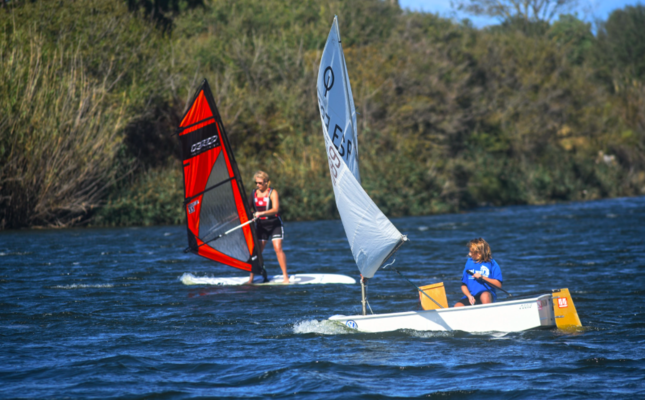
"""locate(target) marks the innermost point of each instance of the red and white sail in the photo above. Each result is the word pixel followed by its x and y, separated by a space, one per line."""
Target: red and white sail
pixel 214 195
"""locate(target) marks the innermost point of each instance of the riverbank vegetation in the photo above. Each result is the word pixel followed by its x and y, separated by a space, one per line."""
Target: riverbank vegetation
pixel 529 111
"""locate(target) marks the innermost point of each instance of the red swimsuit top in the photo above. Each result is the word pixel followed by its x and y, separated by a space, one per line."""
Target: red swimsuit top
pixel 263 203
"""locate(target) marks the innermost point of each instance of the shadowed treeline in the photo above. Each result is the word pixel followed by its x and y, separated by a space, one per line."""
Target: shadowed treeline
pixel 451 116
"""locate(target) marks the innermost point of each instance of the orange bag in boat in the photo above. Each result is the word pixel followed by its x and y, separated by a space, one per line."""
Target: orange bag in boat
pixel 437 292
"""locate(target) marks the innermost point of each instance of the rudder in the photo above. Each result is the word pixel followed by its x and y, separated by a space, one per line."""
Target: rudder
pixel 565 312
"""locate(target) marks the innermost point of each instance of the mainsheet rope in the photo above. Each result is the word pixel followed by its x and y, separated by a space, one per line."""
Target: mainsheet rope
pixel 420 291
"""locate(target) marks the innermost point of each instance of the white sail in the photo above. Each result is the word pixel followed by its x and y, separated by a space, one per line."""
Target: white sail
pixel 371 235
pixel 336 101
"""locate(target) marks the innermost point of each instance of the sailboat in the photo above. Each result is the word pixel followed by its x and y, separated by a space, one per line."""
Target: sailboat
pixel 218 214
pixel 373 238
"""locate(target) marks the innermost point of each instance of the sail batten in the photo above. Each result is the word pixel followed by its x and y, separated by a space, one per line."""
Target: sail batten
pixel 189 199
pixel 371 236
pixel 183 129
pixel 214 196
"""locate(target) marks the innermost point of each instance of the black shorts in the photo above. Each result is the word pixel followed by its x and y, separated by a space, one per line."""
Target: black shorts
pixel 269 229
pixel 477 298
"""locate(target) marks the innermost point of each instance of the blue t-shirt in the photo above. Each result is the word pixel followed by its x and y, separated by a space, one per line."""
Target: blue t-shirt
pixel 488 269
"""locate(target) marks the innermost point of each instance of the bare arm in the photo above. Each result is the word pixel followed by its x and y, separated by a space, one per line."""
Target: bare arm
pixel 493 282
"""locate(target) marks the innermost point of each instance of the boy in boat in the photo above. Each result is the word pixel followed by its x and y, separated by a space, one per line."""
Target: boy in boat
pixel 479 288
pixel 269 224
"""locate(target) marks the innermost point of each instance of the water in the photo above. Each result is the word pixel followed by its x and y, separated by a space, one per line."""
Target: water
pixel 100 313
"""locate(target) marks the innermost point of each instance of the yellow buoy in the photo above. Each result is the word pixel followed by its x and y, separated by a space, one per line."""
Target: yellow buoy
pixel 437 292
pixel 565 312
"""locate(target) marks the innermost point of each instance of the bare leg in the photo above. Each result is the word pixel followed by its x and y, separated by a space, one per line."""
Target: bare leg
pixel 282 259
pixel 458 304
pixel 262 244
pixel 486 298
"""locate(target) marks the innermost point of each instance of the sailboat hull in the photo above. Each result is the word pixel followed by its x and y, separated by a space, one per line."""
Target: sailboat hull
pixel 507 316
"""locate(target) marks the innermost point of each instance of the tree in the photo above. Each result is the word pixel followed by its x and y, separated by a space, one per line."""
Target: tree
pixel 622 41
pixel 574 34
pixel 528 10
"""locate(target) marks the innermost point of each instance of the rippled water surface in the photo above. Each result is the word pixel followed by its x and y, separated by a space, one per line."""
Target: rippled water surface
pixel 101 313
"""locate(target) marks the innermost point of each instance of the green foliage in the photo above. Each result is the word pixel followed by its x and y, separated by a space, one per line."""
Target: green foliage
pixel 450 117
pixel 70 71
pixel 150 199
pixel 573 34
pixel 534 28
pixel 622 42
pixel 162 11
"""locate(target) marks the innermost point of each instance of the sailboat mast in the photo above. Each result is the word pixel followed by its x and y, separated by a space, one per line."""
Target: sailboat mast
pixel 364 301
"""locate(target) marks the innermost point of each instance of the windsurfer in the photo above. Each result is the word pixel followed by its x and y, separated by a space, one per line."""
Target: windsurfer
pixel 269 224
pixel 478 286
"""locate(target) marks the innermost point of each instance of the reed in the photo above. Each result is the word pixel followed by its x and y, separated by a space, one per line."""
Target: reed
pixel 67 85
pixel 60 135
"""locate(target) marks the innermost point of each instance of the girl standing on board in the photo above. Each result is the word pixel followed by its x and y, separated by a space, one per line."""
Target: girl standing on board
pixel 479 288
pixel 269 224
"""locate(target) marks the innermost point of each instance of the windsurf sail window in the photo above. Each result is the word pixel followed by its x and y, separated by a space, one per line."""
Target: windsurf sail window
pixel 372 237
pixel 214 196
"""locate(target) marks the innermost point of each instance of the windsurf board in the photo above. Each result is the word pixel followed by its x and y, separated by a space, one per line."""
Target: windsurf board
pixel 296 279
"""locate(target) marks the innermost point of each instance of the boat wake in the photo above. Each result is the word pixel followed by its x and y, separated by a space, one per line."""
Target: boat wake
pixel 190 279
pixel 323 327
pixel 430 334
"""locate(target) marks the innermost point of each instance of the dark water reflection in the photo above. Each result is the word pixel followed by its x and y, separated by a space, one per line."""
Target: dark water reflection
pixel 101 313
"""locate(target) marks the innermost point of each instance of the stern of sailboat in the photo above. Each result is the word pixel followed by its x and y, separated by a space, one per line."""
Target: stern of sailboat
pixel 566 315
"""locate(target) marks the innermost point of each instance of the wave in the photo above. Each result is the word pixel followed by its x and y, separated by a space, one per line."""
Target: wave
pixel 430 334
pixel 14 253
pixel 83 286
pixel 190 279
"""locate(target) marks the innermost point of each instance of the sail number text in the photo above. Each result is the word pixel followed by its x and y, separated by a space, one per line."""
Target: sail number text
pixel 344 147
pixel 341 148
pixel 334 163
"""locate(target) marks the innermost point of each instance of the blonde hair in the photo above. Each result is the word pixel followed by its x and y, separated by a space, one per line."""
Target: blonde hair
pixel 262 175
pixel 482 248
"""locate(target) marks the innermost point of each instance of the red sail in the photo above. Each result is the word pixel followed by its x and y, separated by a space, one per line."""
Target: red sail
pixel 215 199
